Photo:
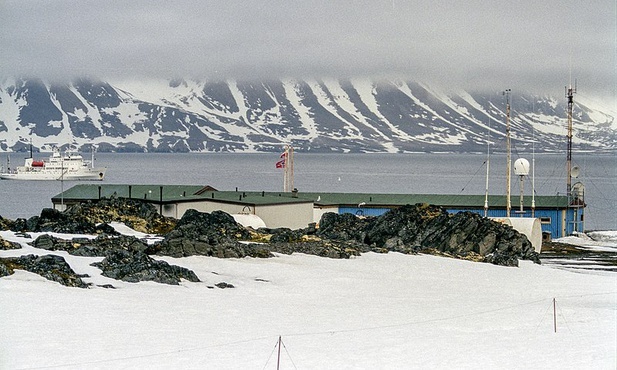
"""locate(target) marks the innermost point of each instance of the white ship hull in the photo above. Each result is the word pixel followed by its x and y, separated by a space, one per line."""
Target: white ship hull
pixel 69 167
pixel 91 174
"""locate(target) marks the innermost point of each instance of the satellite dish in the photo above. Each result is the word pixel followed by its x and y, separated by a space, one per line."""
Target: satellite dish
pixel 574 172
pixel 578 190
pixel 521 167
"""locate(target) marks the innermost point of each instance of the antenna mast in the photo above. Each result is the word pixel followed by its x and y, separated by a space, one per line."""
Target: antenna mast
pixel 570 95
pixel 533 173
pixel 508 154
pixel 488 163
pixel 570 91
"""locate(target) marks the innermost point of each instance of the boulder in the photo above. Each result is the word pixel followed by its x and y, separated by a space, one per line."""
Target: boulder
pixel 283 235
pixel 85 247
pixel 322 248
pixel 6 245
pixel 344 227
pixel 135 266
pixel 50 267
pixel 209 234
pixel 134 213
pixel 52 220
pixel 5 224
pixel 20 225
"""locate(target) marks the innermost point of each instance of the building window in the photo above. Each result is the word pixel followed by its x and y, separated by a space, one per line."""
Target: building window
pixel 545 220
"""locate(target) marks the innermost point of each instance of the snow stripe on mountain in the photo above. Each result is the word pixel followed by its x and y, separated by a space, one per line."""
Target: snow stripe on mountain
pixel 357 115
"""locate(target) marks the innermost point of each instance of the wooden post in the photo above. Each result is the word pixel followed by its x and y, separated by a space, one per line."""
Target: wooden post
pixel 554 316
pixel 278 360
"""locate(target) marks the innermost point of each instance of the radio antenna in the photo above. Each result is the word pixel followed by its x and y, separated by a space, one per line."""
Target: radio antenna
pixel 508 154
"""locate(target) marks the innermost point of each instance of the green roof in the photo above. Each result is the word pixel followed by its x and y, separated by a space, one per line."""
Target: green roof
pixel 150 192
pixel 173 194
pixel 446 200
pixel 187 193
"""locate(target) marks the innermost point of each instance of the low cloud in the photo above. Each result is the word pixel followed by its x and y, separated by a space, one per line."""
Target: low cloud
pixel 524 45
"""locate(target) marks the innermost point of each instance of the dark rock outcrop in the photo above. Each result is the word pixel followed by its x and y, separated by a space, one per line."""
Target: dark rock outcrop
pixel 344 227
pixel 321 248
pixel 138 266
pixel 52 220
pixel 126 258
pixel 408 229
pixel 209 234
pixel 134 213
pixel 6 245
pixel 86 247
pixel 217 234
pixel 83 218
pixel 50 267
pixel 217 226
pixel 426 228
pixel 5 223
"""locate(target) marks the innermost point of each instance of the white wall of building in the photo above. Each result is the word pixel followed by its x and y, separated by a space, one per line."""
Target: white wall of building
pixel 293 216
pixel 318 212
pixel 209 207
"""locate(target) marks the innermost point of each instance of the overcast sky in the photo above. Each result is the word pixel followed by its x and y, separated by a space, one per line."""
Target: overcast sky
pixel 525 45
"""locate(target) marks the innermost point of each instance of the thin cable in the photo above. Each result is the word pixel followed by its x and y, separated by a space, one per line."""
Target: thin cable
pixel 474 176
pixel 269 357
pixel 564 319
pixel 409 323
pixel 288 354
pixel 146 355
pixel 543 316
pixel 585 295
pixel 445 318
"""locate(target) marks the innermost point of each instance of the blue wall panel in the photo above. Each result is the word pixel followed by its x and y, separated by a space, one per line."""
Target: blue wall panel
pixel 362 211
pixel 551 218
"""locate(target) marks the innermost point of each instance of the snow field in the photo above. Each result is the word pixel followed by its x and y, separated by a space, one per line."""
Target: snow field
pixel 377 311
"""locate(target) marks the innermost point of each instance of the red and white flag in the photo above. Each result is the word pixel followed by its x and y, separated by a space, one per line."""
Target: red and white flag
pixel 281 163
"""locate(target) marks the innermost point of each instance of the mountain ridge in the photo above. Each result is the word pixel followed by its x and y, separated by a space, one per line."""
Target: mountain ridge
pixel 315 115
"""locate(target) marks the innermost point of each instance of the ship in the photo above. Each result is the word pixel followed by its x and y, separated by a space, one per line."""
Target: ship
pixel 67 166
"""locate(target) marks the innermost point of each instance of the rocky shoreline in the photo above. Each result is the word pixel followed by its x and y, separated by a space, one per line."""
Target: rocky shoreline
pixel 410 229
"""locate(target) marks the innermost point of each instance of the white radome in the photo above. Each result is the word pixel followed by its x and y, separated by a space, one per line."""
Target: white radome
pixel 521 167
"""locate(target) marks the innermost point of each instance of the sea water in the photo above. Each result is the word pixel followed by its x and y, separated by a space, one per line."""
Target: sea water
pixel 421 173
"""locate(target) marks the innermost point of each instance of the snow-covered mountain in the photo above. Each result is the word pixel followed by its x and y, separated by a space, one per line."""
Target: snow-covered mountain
pixel 314 115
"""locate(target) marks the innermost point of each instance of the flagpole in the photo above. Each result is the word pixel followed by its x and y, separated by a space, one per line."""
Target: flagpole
pixel 286 170
pixel 291 168
pixel 287 164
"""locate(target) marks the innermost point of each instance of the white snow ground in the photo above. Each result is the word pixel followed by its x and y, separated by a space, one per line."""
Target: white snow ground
pixel 377 311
